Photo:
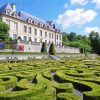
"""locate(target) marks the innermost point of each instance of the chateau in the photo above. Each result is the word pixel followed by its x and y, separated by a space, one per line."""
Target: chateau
pixel 30 30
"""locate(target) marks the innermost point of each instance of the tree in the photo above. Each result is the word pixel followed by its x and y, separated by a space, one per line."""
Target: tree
pixel 52 49
pixel 95 42
pixel 4 28
pixel 44 48
pixel 72 36
pixel 65 38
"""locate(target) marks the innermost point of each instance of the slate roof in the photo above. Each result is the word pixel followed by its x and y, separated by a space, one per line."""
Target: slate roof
pixel 23 15
pixel 6 6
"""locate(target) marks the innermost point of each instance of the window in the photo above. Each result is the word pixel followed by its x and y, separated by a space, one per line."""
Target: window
pixel 49 35
pixel 29 38
pixel 14 36
pixel 8 22
pixel 25 29
pixel 35 31
pixel 45 34
pixel 35 40
pixel 40 32
pixel 8 12
pixel 29 30
pixel 45 41
pixel 40 40
pixel 25 38
pixel 57 37
pixel 14 25
pixel 49 42
pixel 15 14
pixel 29 20
pixel 52 36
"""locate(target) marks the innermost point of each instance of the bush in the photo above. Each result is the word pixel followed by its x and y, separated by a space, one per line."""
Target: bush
pixel 44 48
pixel 52 49
pixel 7 46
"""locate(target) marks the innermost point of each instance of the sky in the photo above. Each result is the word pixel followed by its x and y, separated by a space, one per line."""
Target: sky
pixel 80 16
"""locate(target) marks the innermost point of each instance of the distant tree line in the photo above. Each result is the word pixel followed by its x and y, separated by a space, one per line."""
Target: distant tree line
pixel 87 44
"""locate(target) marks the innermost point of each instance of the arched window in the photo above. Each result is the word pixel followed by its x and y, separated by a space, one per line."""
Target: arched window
pixel 15 14
pixel 29 20
pixel 35 22
pixel 8 12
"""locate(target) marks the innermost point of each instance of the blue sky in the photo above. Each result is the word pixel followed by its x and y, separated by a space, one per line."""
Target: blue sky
pixel 80 16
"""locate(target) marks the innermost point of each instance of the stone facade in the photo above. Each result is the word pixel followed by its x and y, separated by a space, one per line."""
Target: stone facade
pixel 29 27
pixel 32 31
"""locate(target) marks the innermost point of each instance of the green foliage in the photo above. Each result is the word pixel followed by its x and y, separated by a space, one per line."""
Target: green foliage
pixel 46 79
pixel 7 46
pixel 79 41
pixel 72 36
pixel 4 28
pixel 95 42
pixel 44 48
pixel 52 49
pixel 67 96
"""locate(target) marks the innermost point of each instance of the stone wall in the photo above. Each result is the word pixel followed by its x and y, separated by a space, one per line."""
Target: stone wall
pixel 36 47
pixel 23 46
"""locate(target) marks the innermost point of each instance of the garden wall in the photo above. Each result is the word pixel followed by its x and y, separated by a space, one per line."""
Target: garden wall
pixel 36 47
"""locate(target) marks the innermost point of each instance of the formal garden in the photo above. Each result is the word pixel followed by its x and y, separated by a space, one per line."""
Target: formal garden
pixel 47 79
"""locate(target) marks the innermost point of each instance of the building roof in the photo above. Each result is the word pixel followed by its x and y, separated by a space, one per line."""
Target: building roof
pixel 25 16
pixel 6 6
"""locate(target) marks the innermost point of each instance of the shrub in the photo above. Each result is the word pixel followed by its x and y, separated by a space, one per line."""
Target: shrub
pixel 7 46
pixel 52 49
pixel 44 48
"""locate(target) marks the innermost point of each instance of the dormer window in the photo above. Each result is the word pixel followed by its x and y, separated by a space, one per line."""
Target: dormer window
pixel 8 12
pixel 47 26
pixel 44 25
pixel 40 24
pixel 15 15
pixel 36 22
pixel 29 20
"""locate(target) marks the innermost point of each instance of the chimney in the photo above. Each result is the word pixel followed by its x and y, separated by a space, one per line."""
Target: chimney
pixel 13 6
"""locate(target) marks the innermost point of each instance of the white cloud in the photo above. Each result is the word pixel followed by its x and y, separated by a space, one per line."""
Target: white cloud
pixel 66 5
pixel 76 17
pixel 97 2
pixel 89 29
pixel 81 2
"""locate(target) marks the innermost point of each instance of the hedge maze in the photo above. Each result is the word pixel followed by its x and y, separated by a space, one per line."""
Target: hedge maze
pixel 50 80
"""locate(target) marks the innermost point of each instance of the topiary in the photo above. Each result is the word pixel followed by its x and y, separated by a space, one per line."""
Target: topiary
pixel 44 48
pixel 52 49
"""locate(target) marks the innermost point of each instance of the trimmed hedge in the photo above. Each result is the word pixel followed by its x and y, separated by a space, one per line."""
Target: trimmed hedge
pixel 67 96
pixel 8 81
pixel 47 79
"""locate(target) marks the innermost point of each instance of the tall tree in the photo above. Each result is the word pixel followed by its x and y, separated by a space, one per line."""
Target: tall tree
pixel 52 49
pixel 4 28
pixel 95 42
pixel 44 48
